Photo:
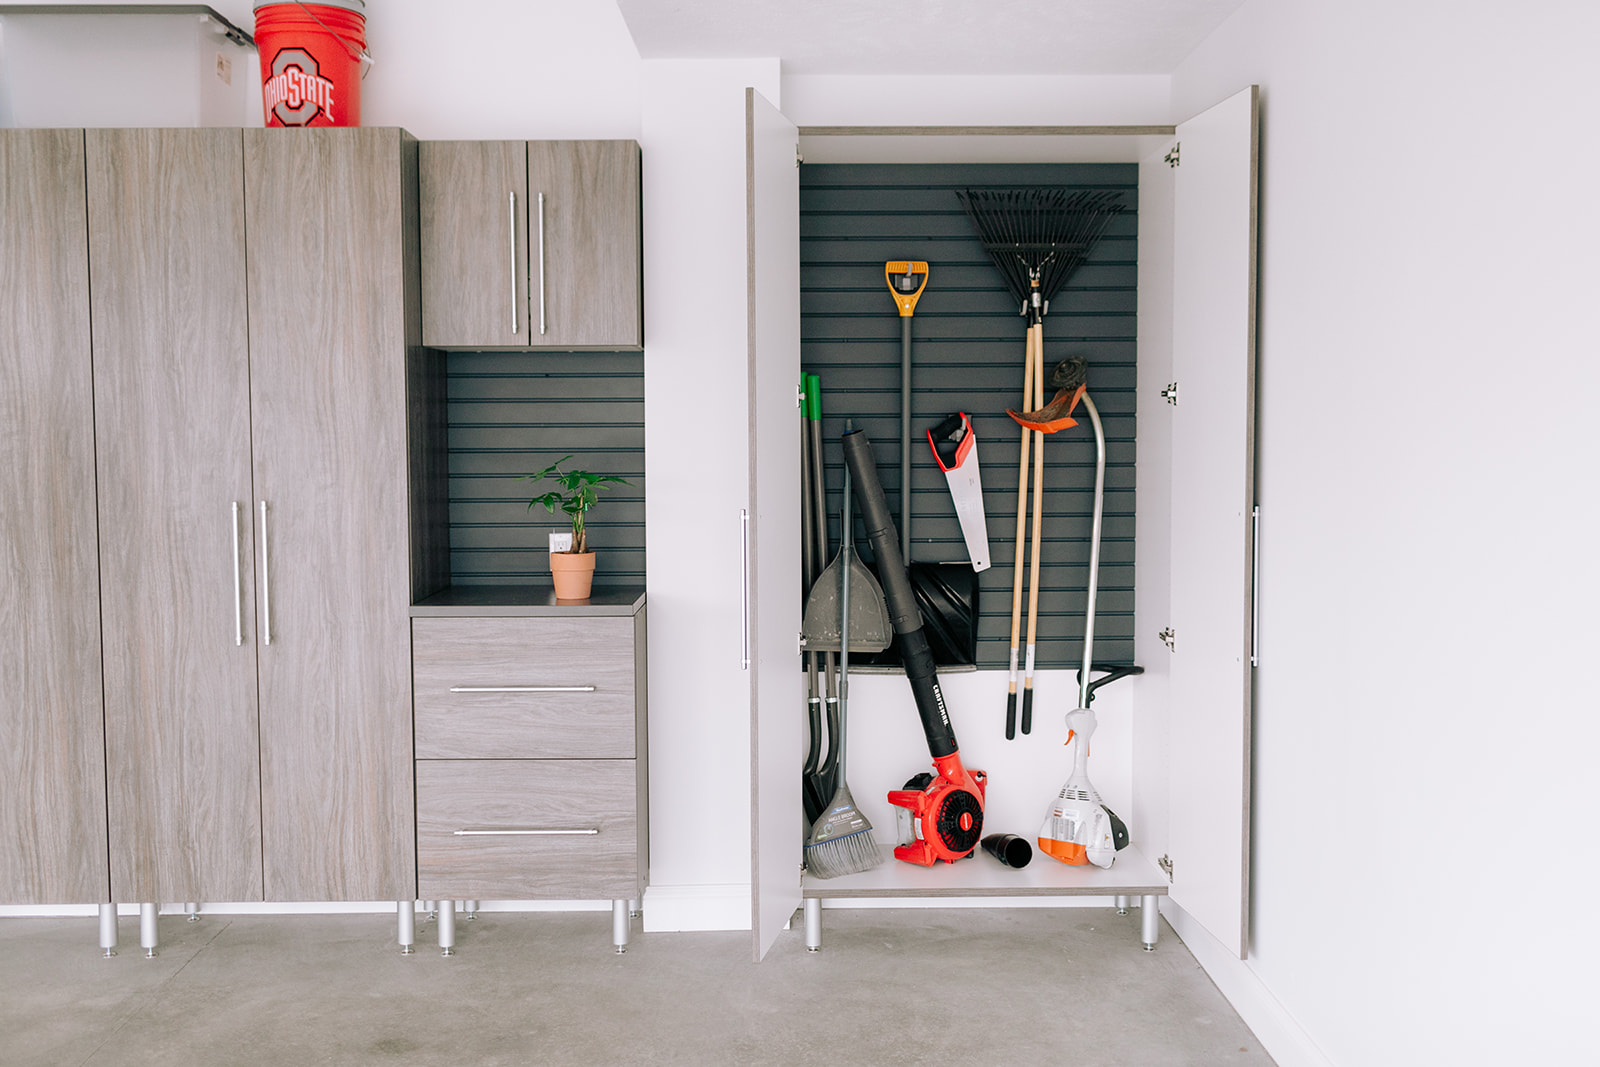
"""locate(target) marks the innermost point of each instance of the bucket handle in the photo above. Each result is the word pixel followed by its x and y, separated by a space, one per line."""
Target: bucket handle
pixel 361 56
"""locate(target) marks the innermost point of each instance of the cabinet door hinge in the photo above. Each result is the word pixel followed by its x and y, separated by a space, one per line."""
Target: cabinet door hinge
pixel 1169 637
pixel 798 158
pixel 799 643
pixel 799 396
pixel 1172 156
pixel 1165 863
pixel 1171 394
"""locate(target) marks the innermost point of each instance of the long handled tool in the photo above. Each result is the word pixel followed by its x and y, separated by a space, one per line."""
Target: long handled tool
pixel 1079 828
pixel 809 565
pixel 1037 239
pixel 947 810
pixel 946 593
pixel 841 837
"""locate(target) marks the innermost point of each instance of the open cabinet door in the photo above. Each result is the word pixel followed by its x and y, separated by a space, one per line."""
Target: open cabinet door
pixel 1213 476
pixel 777 685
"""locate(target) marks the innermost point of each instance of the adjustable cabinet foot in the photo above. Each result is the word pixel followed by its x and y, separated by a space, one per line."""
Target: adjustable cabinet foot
pixel 1149 921
pixel 619 925
pixel 447 927
pixel 149 939
pixel 406 910
pixel 813 925
pixel 108 930
pixel 1122 905
pixel 192 910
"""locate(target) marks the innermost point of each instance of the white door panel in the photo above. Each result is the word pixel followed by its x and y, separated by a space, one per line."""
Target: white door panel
pixel 1213 445
pixel 777 692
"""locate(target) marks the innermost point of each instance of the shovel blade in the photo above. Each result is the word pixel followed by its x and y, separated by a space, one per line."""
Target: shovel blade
pixel 869 618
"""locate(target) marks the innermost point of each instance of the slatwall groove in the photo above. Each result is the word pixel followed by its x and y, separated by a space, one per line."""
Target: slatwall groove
pixel 967 350
pixel 513 413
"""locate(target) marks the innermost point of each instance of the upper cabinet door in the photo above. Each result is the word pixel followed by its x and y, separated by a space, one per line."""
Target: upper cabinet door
pixel 583 239
pixel 172 420
pixel 52 757
pixel 474 243
pixel 1213 476
pixel 331 232
pixel 777 734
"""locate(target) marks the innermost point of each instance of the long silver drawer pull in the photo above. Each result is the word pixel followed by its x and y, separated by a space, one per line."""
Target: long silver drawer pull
pixel 522 689
pixel 513 230
pixel 525 832
pixel 238 600
pixel 266 583
pixel 542 322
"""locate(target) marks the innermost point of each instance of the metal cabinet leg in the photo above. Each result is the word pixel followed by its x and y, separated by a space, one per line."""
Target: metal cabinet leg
pixel 148 939
pixel 192 909
pixel 635 909
pixel 447 927
pixel 1149 921
pixel 108 930
pixel 813 925
pixel 471 908
pixel 1122 905
pixel 619 925
pixel 407 911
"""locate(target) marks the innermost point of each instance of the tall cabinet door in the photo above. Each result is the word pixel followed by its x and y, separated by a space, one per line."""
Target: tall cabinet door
pixel 52 759
pixel 475 243
pixel 777 686
pixel 172 419
pixel 583 235
pixel 333 307
pixel 1213 477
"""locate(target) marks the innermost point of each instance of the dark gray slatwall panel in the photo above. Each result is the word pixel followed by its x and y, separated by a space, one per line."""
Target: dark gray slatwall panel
pixel 967 352
pixel 513 413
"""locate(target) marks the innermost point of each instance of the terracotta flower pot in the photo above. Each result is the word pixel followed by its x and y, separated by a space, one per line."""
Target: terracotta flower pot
pixel 573 573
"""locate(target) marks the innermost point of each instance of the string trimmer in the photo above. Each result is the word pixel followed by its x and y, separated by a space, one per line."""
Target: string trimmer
pixel 945 820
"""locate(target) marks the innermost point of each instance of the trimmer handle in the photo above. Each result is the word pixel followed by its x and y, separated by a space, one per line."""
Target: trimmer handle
pixel 1116 672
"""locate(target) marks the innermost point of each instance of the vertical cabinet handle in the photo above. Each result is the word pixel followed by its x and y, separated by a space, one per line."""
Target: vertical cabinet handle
pixel 542 321
pixel 266 583
pixel 1255 586
pixel 744 569
pixel 512 230
pixel 238 599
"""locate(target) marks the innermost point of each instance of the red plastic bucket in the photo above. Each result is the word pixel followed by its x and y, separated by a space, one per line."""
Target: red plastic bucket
pixel 312 60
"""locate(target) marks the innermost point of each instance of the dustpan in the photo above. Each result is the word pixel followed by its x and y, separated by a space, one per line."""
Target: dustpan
pixel 869 618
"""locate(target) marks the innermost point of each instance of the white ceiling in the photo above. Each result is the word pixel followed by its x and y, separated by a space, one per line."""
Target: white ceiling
pixel 930 36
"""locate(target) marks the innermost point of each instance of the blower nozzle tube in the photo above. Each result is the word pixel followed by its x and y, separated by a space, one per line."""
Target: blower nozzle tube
pixel 914 651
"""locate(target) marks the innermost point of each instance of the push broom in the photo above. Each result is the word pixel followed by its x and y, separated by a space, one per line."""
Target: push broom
pixel 1037 238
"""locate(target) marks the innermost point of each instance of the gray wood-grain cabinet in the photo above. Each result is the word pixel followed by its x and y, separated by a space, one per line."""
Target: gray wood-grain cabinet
pixel 531 749
pixel 531 244
pixel 177 597
pixel 334 330
pixel 52 770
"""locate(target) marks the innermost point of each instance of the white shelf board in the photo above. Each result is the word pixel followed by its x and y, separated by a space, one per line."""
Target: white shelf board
pixel 981 875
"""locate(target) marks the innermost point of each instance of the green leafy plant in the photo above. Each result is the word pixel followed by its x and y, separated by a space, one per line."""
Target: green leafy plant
pixel 578 493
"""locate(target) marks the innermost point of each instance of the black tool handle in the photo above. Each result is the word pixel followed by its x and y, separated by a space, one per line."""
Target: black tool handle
pixel 914 652
pixel 1011 716
pixel 1027 711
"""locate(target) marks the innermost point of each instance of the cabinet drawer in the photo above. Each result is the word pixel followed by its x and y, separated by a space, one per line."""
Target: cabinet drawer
pixel 524 688
pixel 527 829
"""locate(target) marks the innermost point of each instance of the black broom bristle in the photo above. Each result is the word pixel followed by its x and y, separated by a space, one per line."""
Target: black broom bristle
pixel 1038 232
pixel 850 854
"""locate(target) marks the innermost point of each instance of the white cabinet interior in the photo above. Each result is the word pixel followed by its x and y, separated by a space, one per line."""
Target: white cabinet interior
pixel 1217 337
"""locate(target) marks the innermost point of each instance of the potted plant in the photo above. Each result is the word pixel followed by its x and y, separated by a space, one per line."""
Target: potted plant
pixel 573 570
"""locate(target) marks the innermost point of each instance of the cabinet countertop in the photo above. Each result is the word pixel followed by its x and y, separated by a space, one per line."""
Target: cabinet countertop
pixel 528 600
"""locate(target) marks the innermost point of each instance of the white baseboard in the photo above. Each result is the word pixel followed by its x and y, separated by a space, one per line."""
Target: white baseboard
pixel 1285 1040
pixel 676 908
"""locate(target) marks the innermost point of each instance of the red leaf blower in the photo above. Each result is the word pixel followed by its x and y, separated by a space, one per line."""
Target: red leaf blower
pixel 945 808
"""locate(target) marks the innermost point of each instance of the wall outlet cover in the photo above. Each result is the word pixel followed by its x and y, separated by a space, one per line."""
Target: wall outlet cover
pixel 561 542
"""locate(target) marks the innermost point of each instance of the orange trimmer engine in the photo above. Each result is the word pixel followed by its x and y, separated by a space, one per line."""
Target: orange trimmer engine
pixel 943 813
pixel 941 816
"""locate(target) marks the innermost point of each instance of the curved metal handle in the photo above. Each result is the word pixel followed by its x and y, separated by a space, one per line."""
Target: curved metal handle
pixel 238 598
pixel 520 831
pixel 542 321
pixel 744 572
pixel 512 230
pixel 522 689
pixel 266 583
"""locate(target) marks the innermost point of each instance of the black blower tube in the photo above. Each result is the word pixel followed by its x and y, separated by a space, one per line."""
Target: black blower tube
pixel 1009 849
pixel 885 540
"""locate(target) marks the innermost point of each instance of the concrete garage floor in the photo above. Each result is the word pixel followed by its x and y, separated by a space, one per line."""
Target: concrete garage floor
pixel 1020 987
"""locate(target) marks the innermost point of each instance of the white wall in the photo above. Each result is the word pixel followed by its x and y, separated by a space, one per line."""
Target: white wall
pixel 1425 730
